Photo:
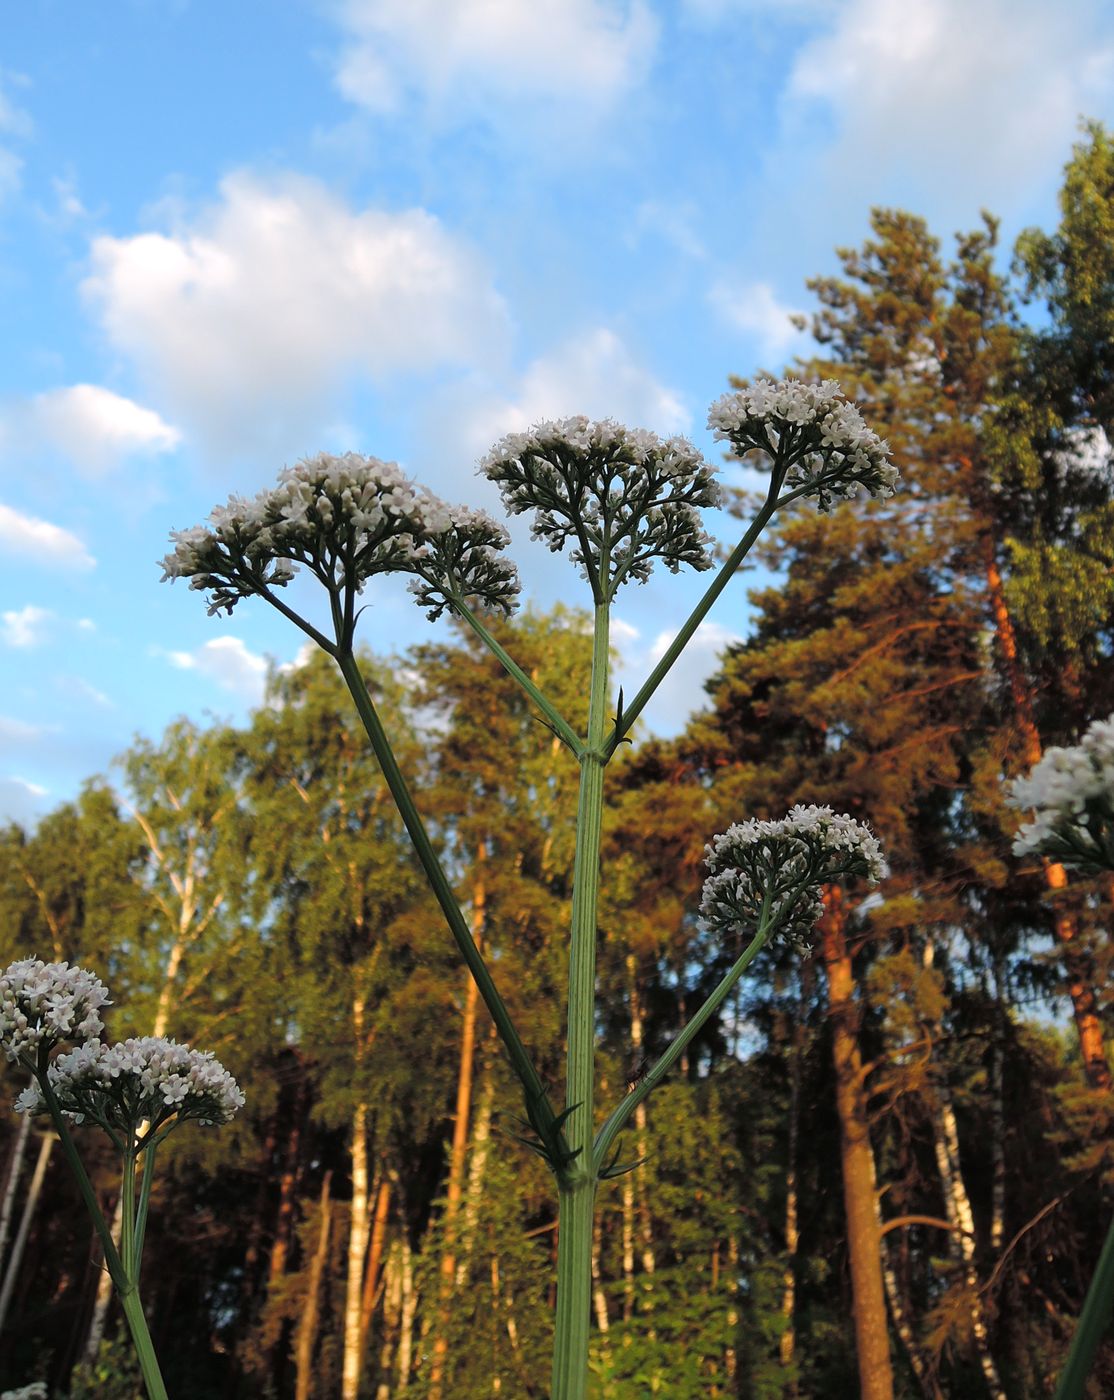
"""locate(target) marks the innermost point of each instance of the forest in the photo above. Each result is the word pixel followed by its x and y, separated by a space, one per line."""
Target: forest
pixel 897 1140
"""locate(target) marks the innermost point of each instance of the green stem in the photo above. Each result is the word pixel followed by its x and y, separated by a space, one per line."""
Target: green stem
pixel 607 1135
pixel 144 1347
pixel 557 721
pixel 127 1215
pixel 1098 1309
pixel 632 710
pixel 144 1201
pixel 578 1190
pixel 111 1256
pixel 538 1107
pixel 125 1286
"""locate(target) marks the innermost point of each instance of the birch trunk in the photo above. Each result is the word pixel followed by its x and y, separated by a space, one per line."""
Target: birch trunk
pixel 358 1229
pixel 307 1327
pixel 872 1341
pixel 19 1244
pixel 961 1237
pixel 409 1298
pixel 15 1171
pixel 458 1151
pixel 481 1141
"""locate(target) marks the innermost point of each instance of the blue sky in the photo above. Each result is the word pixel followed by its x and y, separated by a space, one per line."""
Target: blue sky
pixel 232 235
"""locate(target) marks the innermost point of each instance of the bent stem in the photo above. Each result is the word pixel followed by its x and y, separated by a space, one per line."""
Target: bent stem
pixel 538 1108
pixel 611 1129
pixel 553 716
pixel 578 1190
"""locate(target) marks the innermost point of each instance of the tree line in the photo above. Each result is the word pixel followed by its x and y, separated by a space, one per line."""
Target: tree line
pixel 889 1157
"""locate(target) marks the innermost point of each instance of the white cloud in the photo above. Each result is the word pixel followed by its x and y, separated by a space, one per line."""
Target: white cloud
pixel 31 538
pixel 78 685
pixel 623 633
pixel 24 628
pixel 682 691
pixel 20 801
pixel 585 52
pixel 263 307
pixel 228 662
pixel 953 94
pixel 18 731
pixel 753 308
pixel 594 374
pixel 95 428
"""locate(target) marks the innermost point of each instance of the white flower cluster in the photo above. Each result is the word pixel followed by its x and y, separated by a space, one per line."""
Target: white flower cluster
pixel 44 1003
pixel 35 1391
pixel 1072 792
pixel 813 431
pixel 781 866
pixel 464 562
pixel 613 491
pixel 144 1080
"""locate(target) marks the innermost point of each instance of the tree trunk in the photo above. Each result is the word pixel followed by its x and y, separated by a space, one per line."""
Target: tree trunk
pixel 358 1230
pixel 481 1141
pixel 19 1244
pixel 792 1234
pixel 1083 1002
pixel 392 1311
pixel 961 1237
pixel 409 1300
pixel 374 1261
pixel 307 1327
pixel 459 1147
pixel 872 1341
pixel 15 1171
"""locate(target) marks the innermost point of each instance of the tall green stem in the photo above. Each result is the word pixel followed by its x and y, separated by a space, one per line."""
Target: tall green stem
pixel 578 1190
pixel 1098 1310
pixel 538 1107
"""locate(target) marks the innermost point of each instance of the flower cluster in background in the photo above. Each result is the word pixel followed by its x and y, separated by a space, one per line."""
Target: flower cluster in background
pixel 465 563
pixel 1071 792
pixel 817 436
pixel 42 1004
pixel 146 1080
pixel 775 870
pixel 35 1391
pixel 622 496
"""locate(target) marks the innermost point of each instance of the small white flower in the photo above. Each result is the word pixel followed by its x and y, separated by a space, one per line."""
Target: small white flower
pixel 1071 793
pixel 817 435
pixel 621 496
pixel 148 1079
pixel 780 866
pixel 41 1002
pixel 35 1391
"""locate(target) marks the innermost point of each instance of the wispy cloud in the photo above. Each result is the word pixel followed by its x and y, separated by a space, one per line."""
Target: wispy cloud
pixel 28 537
pixel 754 309
pixel 25 627
pixel 493 52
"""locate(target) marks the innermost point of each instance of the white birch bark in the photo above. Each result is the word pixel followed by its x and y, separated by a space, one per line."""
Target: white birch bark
pixel 19 1244
pixel 15 1171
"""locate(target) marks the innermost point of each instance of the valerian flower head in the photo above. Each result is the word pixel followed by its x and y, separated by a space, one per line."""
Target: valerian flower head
pixel 35 1391
pixel 343 518
pixel 622 496
pixel 42 1004
pixel 1071 791
pixel 464 562
pixel 146 1080
pixel 817 436
pixel 779 868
